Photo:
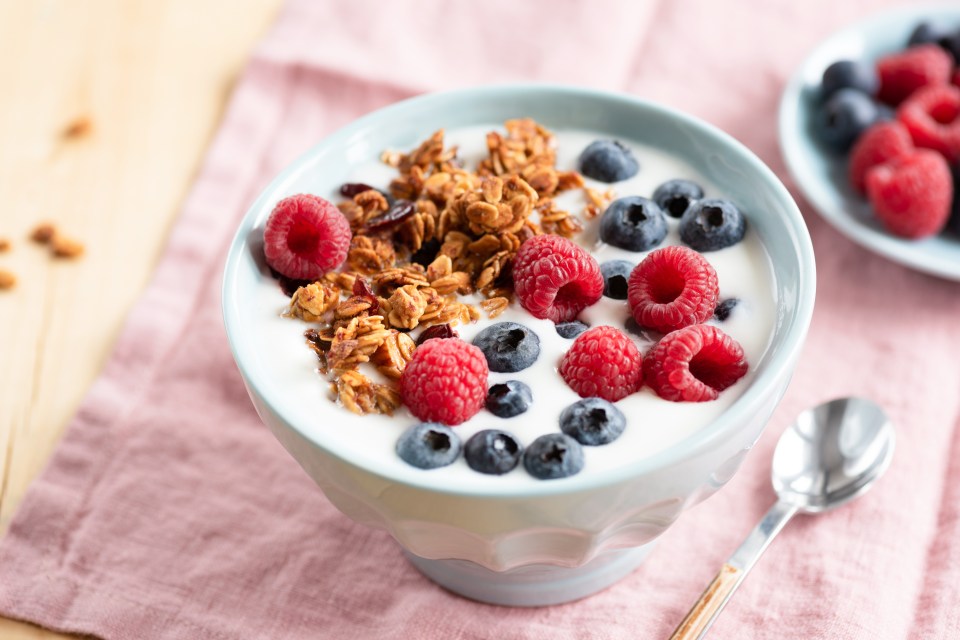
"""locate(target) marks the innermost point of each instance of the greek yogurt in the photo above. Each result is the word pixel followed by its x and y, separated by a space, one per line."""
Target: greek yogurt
pixel 653 424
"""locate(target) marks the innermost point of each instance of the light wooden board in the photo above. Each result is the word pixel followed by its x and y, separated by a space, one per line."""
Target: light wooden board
pixel 151 78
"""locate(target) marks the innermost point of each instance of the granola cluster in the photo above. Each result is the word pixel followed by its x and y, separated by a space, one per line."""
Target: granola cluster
pixel 444 231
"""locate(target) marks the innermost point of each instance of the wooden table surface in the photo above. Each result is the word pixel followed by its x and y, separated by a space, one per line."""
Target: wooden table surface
pixel 106 108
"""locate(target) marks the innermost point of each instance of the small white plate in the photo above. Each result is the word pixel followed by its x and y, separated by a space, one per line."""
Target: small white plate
pixel 822 175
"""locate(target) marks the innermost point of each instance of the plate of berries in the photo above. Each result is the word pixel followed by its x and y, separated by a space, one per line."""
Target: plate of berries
pixel 869 127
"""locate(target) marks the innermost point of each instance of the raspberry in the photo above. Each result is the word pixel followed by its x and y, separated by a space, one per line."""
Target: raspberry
pixel 445 381
pixel 694 364
pixel 878 144
pixel 671 288
pixel 305 237
pixel 932 116
pixel 911 195
pixel 903 73
pixel 603 362
pixel 555 279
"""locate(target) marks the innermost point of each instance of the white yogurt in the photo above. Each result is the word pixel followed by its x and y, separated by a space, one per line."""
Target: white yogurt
pixel 653 424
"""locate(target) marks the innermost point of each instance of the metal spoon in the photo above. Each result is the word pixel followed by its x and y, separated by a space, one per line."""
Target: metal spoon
pixel 830 455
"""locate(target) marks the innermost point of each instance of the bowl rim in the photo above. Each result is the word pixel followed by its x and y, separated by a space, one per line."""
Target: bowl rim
pixel 777 368
pixel 822 193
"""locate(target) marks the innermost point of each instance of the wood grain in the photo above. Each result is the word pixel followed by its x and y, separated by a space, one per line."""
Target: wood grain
pixel 106 108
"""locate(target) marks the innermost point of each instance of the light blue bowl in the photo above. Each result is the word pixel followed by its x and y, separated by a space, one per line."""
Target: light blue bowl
pixel 822 174
pixel 554 541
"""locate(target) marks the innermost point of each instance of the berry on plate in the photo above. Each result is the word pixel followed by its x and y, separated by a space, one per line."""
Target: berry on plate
pixel 508 346
pixel 711 225
pixel 305 236
pixel 608 161
pixel 842 117
pixel 604 362
pixel 428 446
pixel 932 116
pixel 571 330
pixel 725 308
pixel 911 195
pixel 555 279
pixel 694 364
pixel 552 456
pixel 509 399
pixel 633 223
pixel 675 196
pixel 492 451
pixel 445 381
pixel 849 74
pixel 615 276
pixel 671 288
pixel 904 72
pixel 592 421
pixel 881 142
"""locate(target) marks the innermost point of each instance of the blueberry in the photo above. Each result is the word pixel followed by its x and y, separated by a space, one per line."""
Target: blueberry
pixel 428 445
pixel 953 224
pixel 843 117
pixel 509 399
pixel 508 346
pixel 849 74
pixel 615 276
pixel 927 33
pixel 592 421
pixel 675 196
pixel 712 224
pixel 492 451
pixel 554 455
pixel 608 161
pixel 725 308
pixel 633 223
pixel 572 329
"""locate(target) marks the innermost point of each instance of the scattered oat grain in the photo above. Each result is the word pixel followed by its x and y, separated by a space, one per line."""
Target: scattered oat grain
pixel 64 247
pixel 78 128
pixel 4 245
pixel 43 233
pixel 7 280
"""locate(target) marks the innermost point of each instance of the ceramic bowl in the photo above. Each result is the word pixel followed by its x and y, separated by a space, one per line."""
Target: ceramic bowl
pixel 530 543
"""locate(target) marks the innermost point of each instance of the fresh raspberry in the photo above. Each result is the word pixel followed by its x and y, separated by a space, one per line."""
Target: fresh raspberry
pixel 903 73
pixel 911 195
pixel 671 288
pixel 932 116
pixel 603 362
pixel 694 364
pixel 445 381
pixel 878 144
pixel 555 279
pixel 305 237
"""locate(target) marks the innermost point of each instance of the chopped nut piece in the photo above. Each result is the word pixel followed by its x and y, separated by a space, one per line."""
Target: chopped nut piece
pixel 7 279
pixel 78 128
pixel 43 232
pixel 64 247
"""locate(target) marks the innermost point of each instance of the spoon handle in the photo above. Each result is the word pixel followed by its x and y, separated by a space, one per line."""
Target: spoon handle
pixel 732 573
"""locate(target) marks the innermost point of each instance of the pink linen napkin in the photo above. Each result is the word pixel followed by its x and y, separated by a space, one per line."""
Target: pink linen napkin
pixel 169 511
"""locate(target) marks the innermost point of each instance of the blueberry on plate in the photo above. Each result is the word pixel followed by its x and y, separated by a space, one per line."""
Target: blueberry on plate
pixel 428 445
pixel 508 346
pixel 508 399
pixel 572 329
pixel 675 196
pixel 492 451
pixel 849 74
pixel 725 308
pixel 841 119
pixel 554 455
pixel 633 223
pixel 592 421
pixel 608 161
pixel 712 224
pixel 929 33
pixel 615 276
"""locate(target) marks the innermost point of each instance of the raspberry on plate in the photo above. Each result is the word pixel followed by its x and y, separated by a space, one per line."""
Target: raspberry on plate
pixel 694 364
pixel 904 72
pixel 445 381
pixel 932 116
pixel 602 362
pixel 911 195
pixel 305 236
pixel 555 279
pixel 880 143
pixel 671 288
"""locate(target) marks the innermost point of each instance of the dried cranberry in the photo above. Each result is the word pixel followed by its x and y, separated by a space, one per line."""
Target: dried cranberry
pixel 351 189
pixel 427 252
pixel 400 210
pixel 313 337
pixel 362 289
pixel 437 331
